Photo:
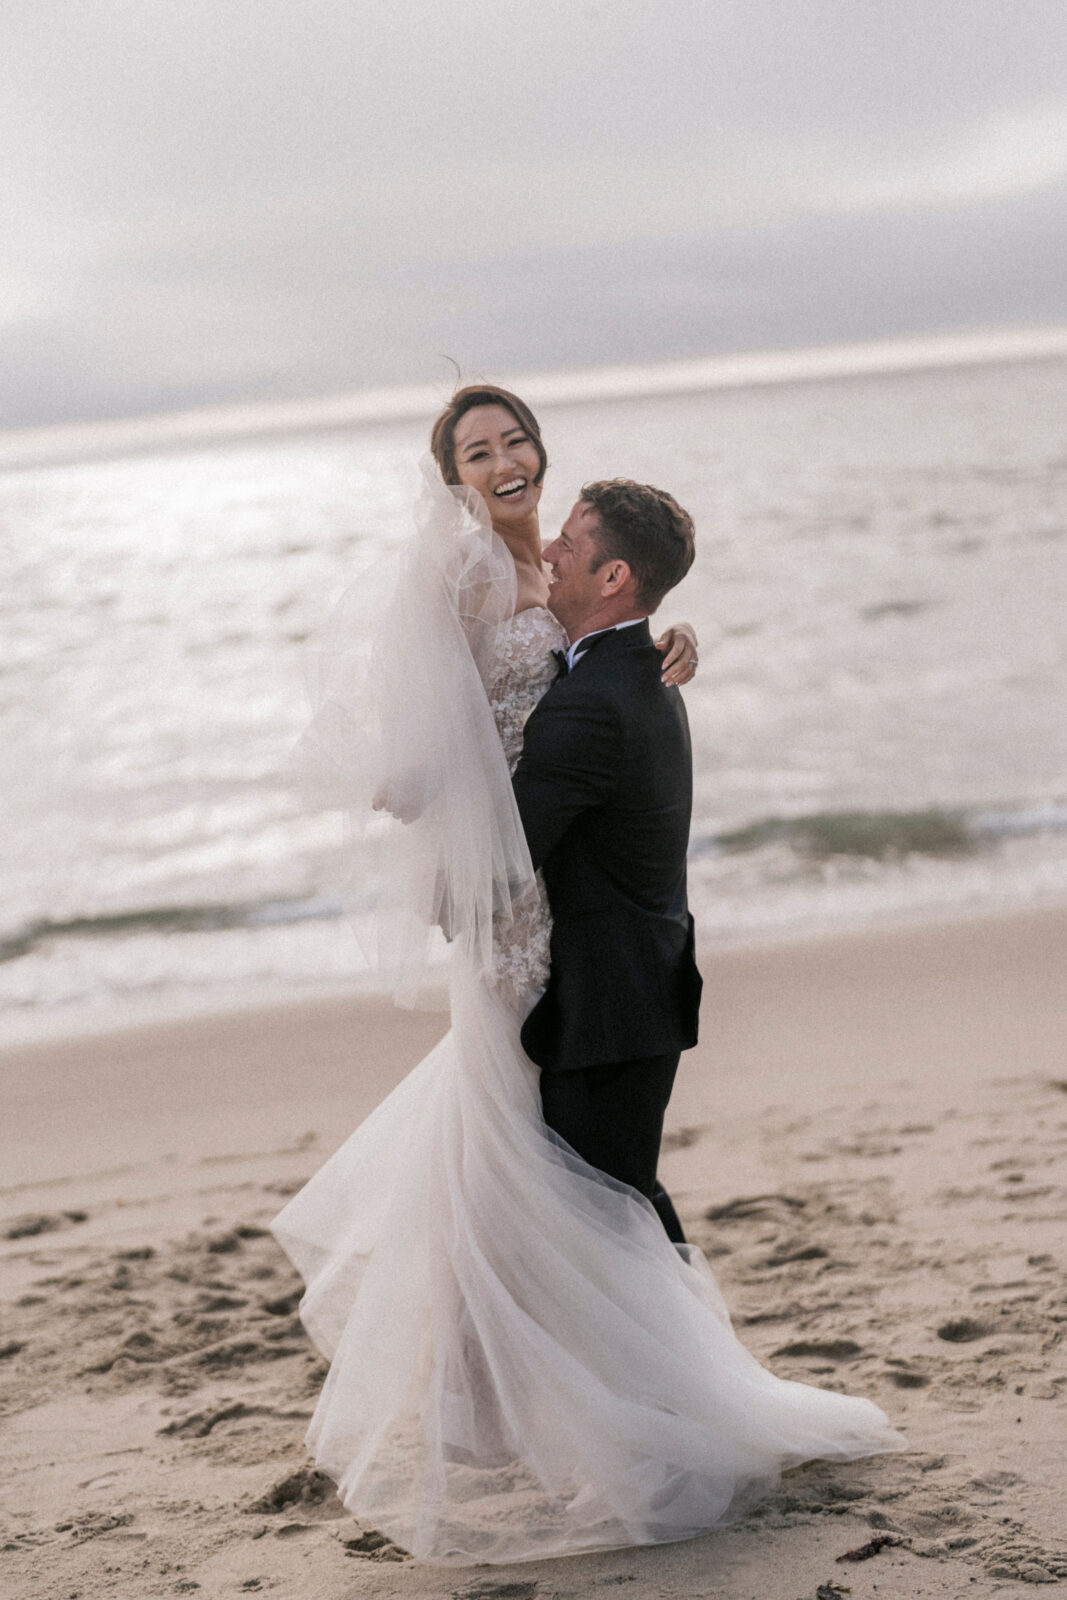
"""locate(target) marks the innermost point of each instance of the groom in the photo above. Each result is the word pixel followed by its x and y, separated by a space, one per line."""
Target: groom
pixel 604 789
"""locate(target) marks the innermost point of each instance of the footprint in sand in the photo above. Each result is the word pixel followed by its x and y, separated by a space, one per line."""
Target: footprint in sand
pixel 791 1250
pixel 33 1223
pixel 497 1591
pixel 868 1147
pixel 963 1330
pixel 314 1496
pixel 94 1524
pixel 905 1378
pixel 374 1546
pixel 305 1488
pixel 825 1350
pixel 757 1205
pixel 284 1305
pixel 681 1138
pixel 208 1302
pixel 201 1423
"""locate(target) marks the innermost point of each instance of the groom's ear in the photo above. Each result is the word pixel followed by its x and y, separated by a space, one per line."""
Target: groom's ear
pixel 614 575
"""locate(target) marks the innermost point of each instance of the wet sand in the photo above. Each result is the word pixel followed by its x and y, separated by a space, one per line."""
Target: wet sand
pixel 870 1143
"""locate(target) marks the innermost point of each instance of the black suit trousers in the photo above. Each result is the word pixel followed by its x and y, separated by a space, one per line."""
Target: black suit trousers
pixel 612 1115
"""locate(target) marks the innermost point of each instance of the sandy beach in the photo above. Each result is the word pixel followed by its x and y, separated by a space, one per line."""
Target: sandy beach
pixel 870 1144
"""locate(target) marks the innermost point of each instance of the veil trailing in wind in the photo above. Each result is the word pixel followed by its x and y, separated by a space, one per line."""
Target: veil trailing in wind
pixel 402 740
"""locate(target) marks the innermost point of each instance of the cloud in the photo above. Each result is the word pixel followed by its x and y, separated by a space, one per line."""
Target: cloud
pixel 1002 156
pixel 265 197
pixel 50 368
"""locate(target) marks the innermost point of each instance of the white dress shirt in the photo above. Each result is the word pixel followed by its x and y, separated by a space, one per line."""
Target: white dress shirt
pixel 576 649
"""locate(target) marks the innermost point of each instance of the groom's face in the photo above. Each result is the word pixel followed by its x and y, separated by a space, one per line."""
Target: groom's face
pixel 576 565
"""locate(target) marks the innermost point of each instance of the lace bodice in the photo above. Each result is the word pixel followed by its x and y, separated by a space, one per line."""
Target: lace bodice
pixel 520 670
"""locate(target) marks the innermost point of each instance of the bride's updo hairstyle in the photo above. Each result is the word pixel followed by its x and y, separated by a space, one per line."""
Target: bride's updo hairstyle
pixel 443 434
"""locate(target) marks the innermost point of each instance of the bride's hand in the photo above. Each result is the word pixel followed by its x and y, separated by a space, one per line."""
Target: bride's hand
pixel 404 798
pixel 680 658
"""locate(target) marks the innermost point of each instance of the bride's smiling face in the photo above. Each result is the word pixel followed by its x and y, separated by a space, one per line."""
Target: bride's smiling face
pixel 495 455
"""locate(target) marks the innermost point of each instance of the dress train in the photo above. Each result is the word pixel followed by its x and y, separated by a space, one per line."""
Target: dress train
pixel 522 1365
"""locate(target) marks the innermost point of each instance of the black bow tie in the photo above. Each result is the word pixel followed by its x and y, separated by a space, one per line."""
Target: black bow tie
pixel 562 668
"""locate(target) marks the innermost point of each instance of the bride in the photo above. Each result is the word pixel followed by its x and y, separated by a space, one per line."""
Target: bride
pixel 522 1363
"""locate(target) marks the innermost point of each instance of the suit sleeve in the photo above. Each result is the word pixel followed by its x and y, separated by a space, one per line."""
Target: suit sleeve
pixel 570 762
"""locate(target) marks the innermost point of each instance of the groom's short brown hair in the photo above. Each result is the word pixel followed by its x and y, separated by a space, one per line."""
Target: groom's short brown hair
pixel 647 529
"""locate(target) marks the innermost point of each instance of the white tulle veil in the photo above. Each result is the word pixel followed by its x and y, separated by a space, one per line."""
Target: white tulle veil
pixel 401 717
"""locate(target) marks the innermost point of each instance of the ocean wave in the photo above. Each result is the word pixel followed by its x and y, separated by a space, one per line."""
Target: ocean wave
pixel 167 919
pixel 884 836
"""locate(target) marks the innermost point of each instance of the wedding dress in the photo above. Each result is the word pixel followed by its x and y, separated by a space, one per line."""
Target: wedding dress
pixel 521 1364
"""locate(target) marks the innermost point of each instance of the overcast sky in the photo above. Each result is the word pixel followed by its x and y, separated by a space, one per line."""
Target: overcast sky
pixel 209 200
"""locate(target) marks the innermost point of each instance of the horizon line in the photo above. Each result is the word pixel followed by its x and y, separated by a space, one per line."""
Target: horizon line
pixel 54 444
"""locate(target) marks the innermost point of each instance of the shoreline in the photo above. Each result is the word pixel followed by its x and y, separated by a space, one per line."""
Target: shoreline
pixel 49 1027
pixel 135 1088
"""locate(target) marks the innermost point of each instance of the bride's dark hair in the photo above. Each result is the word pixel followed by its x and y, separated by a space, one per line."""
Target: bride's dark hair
pixel 443 433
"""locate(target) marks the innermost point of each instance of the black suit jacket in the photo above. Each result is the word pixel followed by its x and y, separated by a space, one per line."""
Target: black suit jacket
pixel 604 789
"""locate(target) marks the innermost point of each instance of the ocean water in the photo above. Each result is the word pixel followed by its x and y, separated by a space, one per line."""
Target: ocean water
pixel 880 591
